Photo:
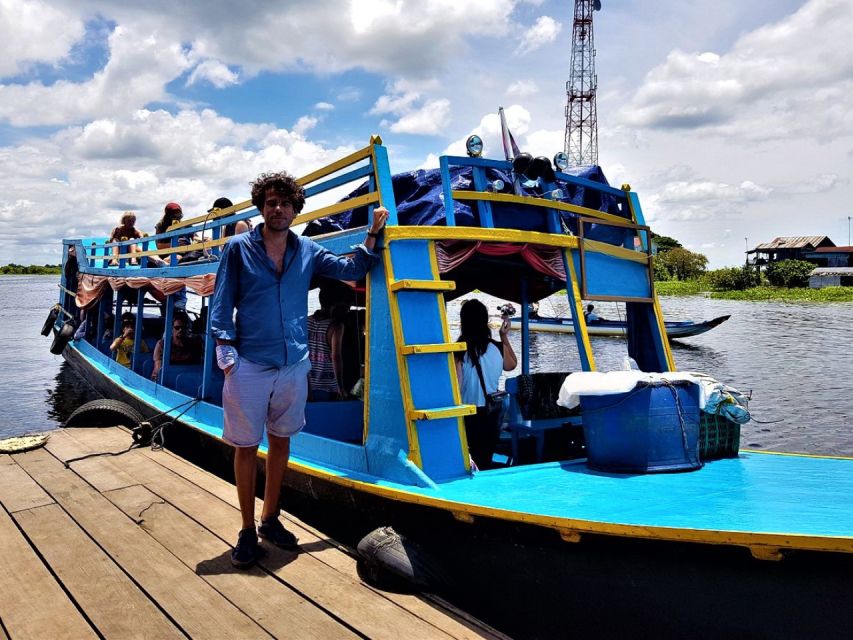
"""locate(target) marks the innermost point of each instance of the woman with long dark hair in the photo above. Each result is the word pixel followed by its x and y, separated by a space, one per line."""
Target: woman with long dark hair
pixel 479 369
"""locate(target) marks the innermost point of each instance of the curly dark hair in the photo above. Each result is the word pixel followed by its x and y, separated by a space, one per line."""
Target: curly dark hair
pixel 284 184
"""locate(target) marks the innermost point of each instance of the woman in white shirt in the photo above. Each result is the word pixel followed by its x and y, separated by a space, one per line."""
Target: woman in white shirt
pixel 482 429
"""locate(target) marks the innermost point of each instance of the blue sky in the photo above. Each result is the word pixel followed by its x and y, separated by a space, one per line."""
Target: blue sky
pixel 731 119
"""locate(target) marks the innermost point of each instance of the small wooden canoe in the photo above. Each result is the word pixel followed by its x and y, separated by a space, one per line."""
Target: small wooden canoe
pixel 682 329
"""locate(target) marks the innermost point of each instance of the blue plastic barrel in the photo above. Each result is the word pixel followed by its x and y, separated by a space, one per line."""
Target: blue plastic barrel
pixel 644 430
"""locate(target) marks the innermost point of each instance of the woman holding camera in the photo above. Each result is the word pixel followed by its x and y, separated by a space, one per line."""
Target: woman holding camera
pixel 478 369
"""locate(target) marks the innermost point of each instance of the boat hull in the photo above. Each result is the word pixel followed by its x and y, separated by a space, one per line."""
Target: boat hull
pixel 615 327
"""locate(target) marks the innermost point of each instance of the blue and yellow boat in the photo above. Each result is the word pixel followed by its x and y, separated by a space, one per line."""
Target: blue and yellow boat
pixel 518 237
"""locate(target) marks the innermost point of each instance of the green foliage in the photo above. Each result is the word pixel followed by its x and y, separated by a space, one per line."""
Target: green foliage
pixel 665 243
pixel 789 273
pixel 731 279
pixel 676 288
pixel 785 294
pixel 681 264
pixel 31 269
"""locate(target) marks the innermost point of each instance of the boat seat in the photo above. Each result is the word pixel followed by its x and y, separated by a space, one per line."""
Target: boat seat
pixel 533 410
pixel 188 383
pixel 147 367
pixel 144 364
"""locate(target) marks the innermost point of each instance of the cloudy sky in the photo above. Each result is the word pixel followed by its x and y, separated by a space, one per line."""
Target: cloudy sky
pixel 731 119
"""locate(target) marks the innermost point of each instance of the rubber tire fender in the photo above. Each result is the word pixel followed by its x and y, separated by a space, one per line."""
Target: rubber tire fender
pixel 104 413
pixel 50 322
pixel 388 560
pixel 63 336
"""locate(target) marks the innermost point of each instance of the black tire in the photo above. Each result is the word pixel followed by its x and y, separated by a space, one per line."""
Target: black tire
pixel 394 563
pixel 63 337
pixel 104 413
pixel 50 322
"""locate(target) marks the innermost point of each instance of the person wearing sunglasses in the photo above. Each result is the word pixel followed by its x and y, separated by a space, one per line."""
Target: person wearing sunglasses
pixel 186 348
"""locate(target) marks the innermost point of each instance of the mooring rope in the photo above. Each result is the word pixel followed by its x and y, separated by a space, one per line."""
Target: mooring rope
pixel 143 433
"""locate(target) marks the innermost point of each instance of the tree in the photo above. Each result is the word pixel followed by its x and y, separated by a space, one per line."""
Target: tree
pixel 683 264
pixel 789 273
pixel 732 278
pixel 665 243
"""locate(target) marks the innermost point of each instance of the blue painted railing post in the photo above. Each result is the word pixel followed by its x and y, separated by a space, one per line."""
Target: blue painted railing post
pixel 117 315
pixel 167 337
pixel 447 191
pixel 525 329
pixel 137 338
pixel 484 207
pixel 382 170
pixel 553 219
pixel 209 354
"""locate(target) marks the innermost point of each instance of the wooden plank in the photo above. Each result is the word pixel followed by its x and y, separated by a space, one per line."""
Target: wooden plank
pixel 435 612
pixel 272 604
pixel 103 478
pixel 112 602
pixel 18 490
pixel 32 604
pixel 343 596
pixel 194 606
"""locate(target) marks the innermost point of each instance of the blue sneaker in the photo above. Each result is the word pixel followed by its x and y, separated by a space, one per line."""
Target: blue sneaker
pixel 274 532
pixel 247 551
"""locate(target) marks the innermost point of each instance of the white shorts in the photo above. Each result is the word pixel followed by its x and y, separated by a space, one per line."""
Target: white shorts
pixel 258 395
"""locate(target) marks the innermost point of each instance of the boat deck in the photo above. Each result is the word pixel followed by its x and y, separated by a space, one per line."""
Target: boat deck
pixel 138 546
pixel 764 501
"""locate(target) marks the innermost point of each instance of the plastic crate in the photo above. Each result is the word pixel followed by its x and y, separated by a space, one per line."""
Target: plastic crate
pixel 719 437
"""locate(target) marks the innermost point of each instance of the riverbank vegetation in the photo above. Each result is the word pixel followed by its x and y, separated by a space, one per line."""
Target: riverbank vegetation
pixel 13 269
pixel 680 272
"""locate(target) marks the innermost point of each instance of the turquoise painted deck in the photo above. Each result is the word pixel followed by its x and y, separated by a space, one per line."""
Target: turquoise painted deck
pixel 755 493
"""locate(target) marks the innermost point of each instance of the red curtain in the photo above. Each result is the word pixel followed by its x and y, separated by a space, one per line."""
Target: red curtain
pixel 545 259
pixel 90 287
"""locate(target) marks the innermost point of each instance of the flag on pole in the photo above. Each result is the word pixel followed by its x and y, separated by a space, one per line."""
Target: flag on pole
pixel 511 149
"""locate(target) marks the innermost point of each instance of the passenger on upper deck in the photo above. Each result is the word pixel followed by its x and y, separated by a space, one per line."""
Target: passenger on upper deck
pixel 123 345
pixel 125 231
pixel 264 275
pixel 232 228
pixel 325 341
pixel 590 314
pixel 478 369
pixel 186 349
pixel 172 214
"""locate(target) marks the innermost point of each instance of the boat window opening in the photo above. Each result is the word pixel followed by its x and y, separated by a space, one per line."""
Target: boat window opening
pixel 343 419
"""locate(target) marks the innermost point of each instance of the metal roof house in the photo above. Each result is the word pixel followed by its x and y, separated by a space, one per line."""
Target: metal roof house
pixel 831 277
pixel 831 256
pixel 787 248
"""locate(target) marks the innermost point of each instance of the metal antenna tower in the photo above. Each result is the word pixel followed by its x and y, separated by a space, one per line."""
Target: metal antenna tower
pixel 581 143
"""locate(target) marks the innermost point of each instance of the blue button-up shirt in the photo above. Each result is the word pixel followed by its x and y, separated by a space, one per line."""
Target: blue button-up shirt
pixel 272 309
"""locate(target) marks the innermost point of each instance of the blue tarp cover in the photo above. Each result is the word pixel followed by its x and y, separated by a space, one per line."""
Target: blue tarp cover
pixel 420 202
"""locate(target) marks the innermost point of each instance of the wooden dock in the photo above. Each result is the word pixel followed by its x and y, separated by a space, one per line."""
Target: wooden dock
pixel 139 545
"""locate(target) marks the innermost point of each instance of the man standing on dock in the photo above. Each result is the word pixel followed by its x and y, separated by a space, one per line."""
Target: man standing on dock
pixel 265 276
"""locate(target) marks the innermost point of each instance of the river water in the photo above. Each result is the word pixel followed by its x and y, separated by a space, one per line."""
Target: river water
pixel 794 358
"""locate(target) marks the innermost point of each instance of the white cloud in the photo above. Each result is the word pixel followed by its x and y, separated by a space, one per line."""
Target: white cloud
pixel 32 31
pixel 216 73
pixel 544 31
pixel 522 88
pixel 794 77
pixel 397 105
pixel 304 125
pixel 324 106
pixel 78 181
pixel 430 119
pixel 138 70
